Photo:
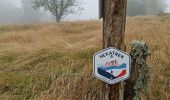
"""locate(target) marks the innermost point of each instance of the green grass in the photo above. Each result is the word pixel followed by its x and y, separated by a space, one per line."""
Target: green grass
pixel 28 74
pixel 54 62
pixel 167 72
pixel 13 28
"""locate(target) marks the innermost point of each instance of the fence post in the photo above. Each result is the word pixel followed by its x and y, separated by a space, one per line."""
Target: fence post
pixel 139 71
pixel 114 20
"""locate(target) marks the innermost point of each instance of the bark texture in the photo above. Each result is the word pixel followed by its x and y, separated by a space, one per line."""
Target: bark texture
pixel 114 16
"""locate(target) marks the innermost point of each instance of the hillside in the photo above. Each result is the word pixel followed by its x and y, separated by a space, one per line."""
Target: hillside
pixel 54 61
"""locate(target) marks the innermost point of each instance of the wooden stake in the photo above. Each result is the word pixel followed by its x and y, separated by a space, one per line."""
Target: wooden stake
pixel 114 19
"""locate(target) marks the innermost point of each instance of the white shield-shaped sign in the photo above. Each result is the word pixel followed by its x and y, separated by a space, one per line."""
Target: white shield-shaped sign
pixel 111 65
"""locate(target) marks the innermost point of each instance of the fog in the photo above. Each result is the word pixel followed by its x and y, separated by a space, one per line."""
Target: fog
pixel 9 13
pixel 168 7
pixel 12 11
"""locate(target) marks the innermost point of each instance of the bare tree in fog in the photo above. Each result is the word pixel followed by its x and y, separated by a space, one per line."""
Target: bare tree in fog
pixel 145 7
pixel 58 8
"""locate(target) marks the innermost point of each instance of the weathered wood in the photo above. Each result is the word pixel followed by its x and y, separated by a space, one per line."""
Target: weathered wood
pixel 114 23
pixel 100 9
pixel 114 16
pixel 129 92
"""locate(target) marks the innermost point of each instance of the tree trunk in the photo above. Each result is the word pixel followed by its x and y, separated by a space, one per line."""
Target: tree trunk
pixel 114 15
pixel 58 19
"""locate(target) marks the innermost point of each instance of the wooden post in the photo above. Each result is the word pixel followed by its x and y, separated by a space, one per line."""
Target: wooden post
pixel 139 79
pixel 130 83
pixel 114 19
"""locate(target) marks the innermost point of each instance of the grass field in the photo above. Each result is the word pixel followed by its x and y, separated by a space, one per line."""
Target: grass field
pixel 54 61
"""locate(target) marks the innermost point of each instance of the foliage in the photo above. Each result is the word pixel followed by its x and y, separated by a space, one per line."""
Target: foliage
pixel 140 52
pixel 59 8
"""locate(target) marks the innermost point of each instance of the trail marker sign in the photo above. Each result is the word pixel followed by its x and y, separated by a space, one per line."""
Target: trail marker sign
pixel 111 65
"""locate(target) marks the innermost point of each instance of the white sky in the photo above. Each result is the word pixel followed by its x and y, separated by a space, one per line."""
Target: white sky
pixel 17 3
pixel 168 2
pixel 90 9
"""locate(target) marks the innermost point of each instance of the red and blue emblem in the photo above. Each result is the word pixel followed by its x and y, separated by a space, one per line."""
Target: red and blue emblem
pixel 111 65
pixel 112 70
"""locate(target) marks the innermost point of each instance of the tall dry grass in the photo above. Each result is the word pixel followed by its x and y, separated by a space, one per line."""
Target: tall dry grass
pixel 54 61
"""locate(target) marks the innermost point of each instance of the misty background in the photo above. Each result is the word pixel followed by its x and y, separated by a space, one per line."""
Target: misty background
pixel 21 11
